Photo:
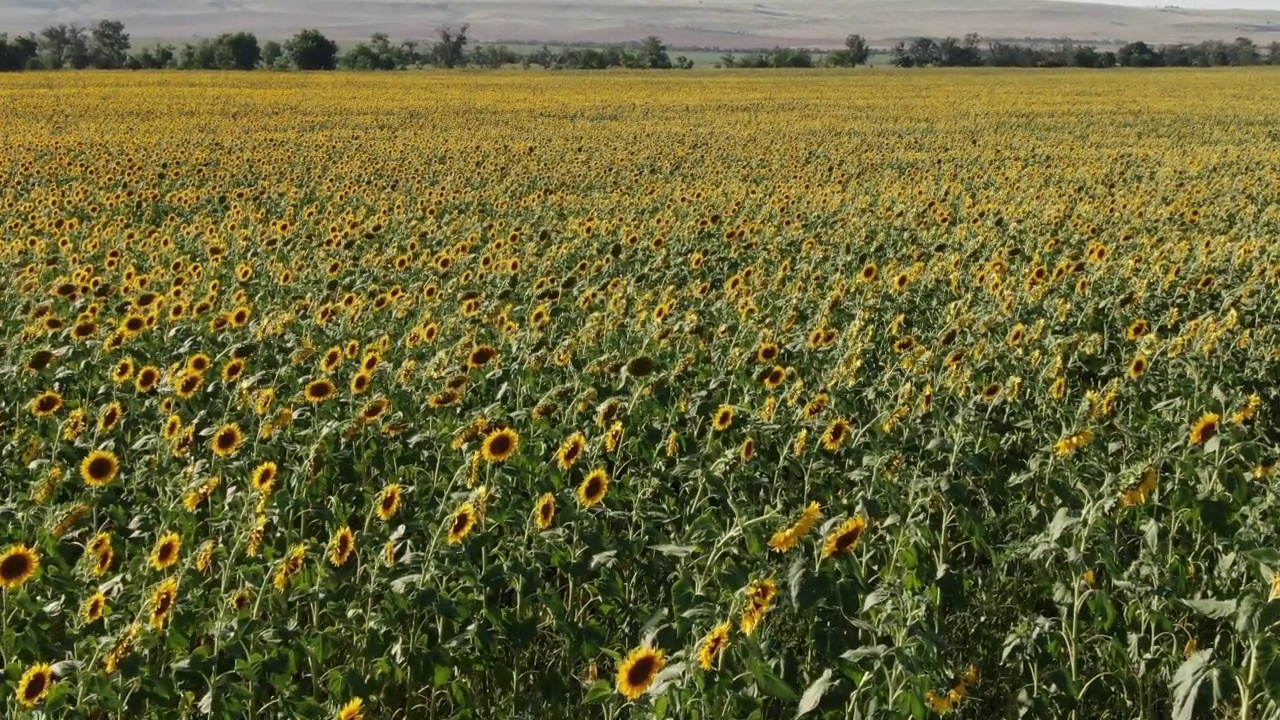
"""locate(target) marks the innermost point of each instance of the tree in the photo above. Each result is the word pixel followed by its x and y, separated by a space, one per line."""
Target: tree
pixel 924 52
pixel 856 51
pixel 450 51
pixel 901 56
pixel 1138 54
pixel 653 53
pixel 18 53
pixel 63 46
pixel 311 50
pixel 955 53
pixel 272 54
pixel 237 51
pixel 108 45
pixel 1273 53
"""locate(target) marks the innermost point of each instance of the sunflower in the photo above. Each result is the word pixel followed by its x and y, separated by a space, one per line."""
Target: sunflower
pixel 360 382
pixel 1142 489
pixel 836 434
pixel 123 371
pixel 18 564
pixel 319 390
pixel 1059 388
pixel 109 417
pixel 544 511
pixel 94 608
pixel 638 670
pixel 593 488
pixel 226 441
pixel 199 363
pixel 613 437
pixel 168 548
pixel 500 445
pixel 99 468
pixel 1137 330
pixel 748 450
pixel 844 538
pixel 232 370
pixel 722 419
pixel 463 520
pixel 713 645
pixel 766 353
pixel 34 685
pixel 816 405
pixel 1205 428
pixel 186 385
pixel 341 547
pixel 148 378
pixel 162 602
pixel 570 450
pixel 389 501
pixel 1137 367
pixel 774 377
pixel 102 553
pixel 788 537
pixel 374 409
pixel 352 710
pixel 46 403
pixel 481 356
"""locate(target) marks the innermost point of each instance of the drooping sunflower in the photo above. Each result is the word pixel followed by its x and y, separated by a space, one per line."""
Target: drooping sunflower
pixel 18 564
pixel 389 501
pixel 319 390
pixel 34 686
pixel 352 710
pixel 1205 428
pixel 227 440
pixel 341 547
pixel 99 468
pixel 163 598
pixel 46 404
pixel 711 647
pixel 638 670
pixel 94 608
pixel 593 488
pixel 374 410
pixel 722 419
pixel 167 550
pixel 844 538
pixel 461 523
pixel 544 512
pixel 481 356
pixel 788 537
pixel 836 435
pixel 500 445
pixel 102 554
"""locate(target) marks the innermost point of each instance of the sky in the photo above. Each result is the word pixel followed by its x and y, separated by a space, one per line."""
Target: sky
pixel 1208 4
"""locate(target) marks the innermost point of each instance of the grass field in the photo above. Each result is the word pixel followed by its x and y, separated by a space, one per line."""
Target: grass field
pixel 687 395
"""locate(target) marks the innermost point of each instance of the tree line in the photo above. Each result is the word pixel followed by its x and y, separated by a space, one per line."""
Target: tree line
pixel 106 45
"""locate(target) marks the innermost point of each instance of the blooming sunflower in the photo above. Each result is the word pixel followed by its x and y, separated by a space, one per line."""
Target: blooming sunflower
pixel 227 440
pixel 123 371
pixel 774 377
pixel 1205 428
pixel 500 445
pixel 352 710
pixel 481 356
pixel 102 553
pixel 844 538
pixel 35 684
pixel 46 403
pixel 264 478
pixel 638 670
pixel 110 417
pixel 766 353
pixel 1137 367
pixel 163 599
pixel 713 645
pixel 544 511
pixel 722 419
pixel 788 537
pixel 167 550
pixel 570 450
pixel 389 501
pixel 341 547
pixel 836 434
pixel 461 523
pixel 99 468
pixel 148 378
pixel 94 608
pixel 18 564
pixel 318 391
pixel 593 488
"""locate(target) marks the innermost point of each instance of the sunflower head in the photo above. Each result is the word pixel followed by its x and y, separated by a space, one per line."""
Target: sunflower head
pixel 34 686
pixel 46 403
pixel 593 488
pixel 341 547
pixel 481 356
pixel 545 511
pixel 227 440
pixel 318 391
pixel 166 551
pixel 461 523
pixel 713 645
pixel 1205 428
pixel 722 419
pixel 638 670
pixel 18 564
pixel 389 501
pixel 99 468
pixel 500 444
pixel 845 538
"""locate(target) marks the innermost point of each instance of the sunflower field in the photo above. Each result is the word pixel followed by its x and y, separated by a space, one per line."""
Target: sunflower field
pixel 536 395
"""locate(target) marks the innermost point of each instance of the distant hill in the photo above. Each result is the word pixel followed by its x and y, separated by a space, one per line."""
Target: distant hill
pixel 722 23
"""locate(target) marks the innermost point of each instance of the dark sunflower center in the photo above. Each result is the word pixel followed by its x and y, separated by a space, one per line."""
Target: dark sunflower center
pixel 460 522
pixel 571 452
pixel 163 603
pixel 35 688
pixel 344 544
pixel 166 552
pixel 100 468
pixel 14 566
pixel 594 488
pixel 388 502
pixel 546 512
pixel 641 671
pixel 226 440
pixel 47 403
pixel 500 445
pixel 846 540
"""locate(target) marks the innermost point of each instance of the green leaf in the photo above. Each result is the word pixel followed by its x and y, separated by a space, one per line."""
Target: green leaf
pixel 875 652
pixel 1216 609
pixel 770 684
pixel 674 550
pixel 1186 684
pixel 795 577
pixel 599 691
pixel 813 695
